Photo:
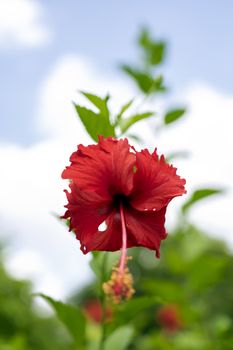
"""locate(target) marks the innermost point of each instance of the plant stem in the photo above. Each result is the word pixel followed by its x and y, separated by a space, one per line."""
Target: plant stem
pixel 103 303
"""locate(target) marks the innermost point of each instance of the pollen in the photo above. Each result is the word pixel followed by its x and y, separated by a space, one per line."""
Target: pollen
pixel 120 286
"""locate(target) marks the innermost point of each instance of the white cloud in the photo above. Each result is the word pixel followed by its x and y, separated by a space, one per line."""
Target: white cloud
pixel 21 24
pixel 56 116
pixel 206 133
pixel 31 187
pixel 31 190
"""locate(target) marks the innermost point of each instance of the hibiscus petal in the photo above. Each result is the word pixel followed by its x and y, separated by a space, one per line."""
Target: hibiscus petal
pixel 85 218
pixel 105 168
pixel 85 210
pixel 109 239
pixel 155 182
pixel 147 228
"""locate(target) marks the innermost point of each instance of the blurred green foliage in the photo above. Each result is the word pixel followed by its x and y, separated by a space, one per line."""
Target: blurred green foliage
pixel 200 194
pixel 21 326
pixel 173 115
pixel 147 76
pixel 194 273
pixel 71 317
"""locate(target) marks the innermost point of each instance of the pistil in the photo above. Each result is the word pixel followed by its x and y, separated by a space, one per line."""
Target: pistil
pixel 124 241
pixel 120 285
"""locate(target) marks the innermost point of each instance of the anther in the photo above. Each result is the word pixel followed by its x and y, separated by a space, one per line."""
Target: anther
pixel 120 285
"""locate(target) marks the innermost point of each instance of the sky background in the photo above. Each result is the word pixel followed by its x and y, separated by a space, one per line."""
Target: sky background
pixel 199 34
pixel 48 50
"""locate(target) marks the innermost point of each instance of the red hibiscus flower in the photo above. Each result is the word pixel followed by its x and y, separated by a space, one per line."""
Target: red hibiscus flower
pixel 169 318
pixel 93 310
pixel 127 190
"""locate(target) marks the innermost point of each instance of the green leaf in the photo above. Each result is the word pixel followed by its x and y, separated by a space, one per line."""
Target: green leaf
pixel 144 80
pixel 131 308
pixel 144 38
pixel 154 50
pixel 199 195
pixel 173 115
pixel 100 103
pixel 157 53
pixel 124 109
pixel 119 339
pixel 102 264
pixel 126 123
pixel 95 123
pixel 221 324
pixel 70 316
pixel 96 263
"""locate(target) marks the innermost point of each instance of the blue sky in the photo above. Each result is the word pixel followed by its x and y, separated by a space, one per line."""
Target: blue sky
pixel 199 34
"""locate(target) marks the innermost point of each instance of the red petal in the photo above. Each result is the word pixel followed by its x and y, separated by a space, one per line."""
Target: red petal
pixel 108 240
pixel 98 172
pixel 155 182
pixel 105 168
pixel 147 228
pixel 143 228
pixel 86 211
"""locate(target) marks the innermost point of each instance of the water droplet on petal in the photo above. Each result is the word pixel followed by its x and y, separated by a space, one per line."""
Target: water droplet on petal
pixel 102 227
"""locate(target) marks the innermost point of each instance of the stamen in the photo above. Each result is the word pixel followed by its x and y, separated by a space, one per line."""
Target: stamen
pixel 124 240
pixel 120 285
